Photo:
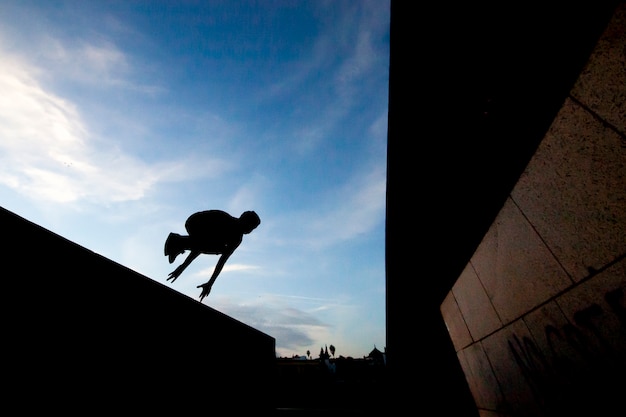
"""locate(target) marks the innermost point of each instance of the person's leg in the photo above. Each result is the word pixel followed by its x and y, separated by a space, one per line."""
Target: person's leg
pixel 175 244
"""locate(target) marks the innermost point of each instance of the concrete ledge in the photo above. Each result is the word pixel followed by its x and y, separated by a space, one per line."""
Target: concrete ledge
pixel 83 333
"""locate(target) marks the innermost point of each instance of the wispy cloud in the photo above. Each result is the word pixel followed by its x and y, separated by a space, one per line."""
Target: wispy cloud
pixel 93 61
pixel 361 208
pixel 297 322
pixel 206 272
pixel 48 153
pixel 347 51
pixel 338 214
pixel 83 61
pixel 295 330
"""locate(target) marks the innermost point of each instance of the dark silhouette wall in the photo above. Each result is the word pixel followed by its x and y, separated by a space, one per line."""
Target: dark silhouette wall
pixel 474 86
pixel 84 334
pixel 537 316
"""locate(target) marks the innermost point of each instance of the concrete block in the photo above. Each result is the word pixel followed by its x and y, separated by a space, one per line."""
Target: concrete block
pixel 509 354
pixel 516 269
pixel 480 377
pixel 602 84
pixel 596 308
pixel 549 328
pixel 455 323
pixel 573 191
pixel 475 305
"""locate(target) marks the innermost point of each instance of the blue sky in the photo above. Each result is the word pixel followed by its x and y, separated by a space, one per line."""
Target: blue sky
pixel 119 119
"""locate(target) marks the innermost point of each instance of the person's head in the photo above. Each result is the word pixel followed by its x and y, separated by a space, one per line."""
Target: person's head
pixel 249 221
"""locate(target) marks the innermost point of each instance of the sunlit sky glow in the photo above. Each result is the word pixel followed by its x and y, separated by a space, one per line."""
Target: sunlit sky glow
pixel 119 119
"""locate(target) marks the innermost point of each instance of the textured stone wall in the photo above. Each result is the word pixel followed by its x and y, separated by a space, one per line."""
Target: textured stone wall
pixel 538 317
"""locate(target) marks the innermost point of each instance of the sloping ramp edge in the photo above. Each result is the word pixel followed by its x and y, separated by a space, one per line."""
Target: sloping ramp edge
pixel 85 333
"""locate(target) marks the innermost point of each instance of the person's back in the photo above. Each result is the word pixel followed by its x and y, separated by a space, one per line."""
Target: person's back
pixel 213 231
pixel 210 232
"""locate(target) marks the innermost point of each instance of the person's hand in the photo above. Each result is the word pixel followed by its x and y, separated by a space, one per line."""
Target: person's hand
pixel 206 289
pixel 175 274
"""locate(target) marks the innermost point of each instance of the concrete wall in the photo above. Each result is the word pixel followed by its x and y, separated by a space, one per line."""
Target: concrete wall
pixel 537 317
pixel 84 335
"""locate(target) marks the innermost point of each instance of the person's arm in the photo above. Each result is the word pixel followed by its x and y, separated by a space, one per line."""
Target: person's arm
pixel 179 270
pixel 218 267
pixel 206 287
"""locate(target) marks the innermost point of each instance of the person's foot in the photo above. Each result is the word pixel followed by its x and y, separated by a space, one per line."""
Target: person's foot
pixel 172 248
pixel 172 256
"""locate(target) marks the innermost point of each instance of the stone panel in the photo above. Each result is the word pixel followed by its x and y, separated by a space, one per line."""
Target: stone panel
pixel 455 323
pixel 474 304
pixel 480 378
pixel 550 330
pixel 597 309
pixel 509 354
pixel 574 191
pixel 515 267
pixel 602 84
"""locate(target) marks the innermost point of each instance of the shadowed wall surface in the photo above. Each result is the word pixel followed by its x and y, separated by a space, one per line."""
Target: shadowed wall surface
pixel 537 316
pixel 85 334
pixel 474 87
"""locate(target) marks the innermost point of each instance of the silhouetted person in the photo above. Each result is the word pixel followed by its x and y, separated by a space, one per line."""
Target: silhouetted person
pixel 213 232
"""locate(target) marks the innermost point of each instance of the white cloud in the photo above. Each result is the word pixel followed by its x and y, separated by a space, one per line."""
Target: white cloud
pixel 294 329
pixel 299 322
pixel 363 57
pixel 97 63
pixel 346 53
pixel 344 213
pixel 103 58
pixel 206 272
pixel 47 153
